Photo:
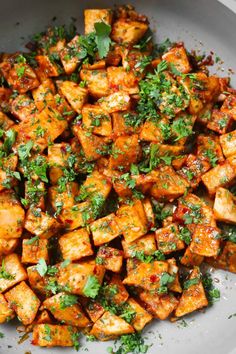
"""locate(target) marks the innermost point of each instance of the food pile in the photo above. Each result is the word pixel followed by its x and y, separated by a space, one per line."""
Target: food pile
pixel 117 181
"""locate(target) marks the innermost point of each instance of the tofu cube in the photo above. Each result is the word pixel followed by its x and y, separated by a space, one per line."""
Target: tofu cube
pixel 121 124
pixel 227 259
pixel 121 79
pixel 105 229
pixel 110 326
pixel 48 335
pixel 96 184
pixel 24 301
pixel 132 221
pixel 168 239
pixel 64 312
pixel 110 258
pixel 220 121
pixel 205 241
pixel 75 245
pixel 58 159
pixel 193 298
pixel 22 78
pixel 69 55
pixel 229 106
pixel 76 216
pixel 11 216
pixel 32 253
pixel 14 272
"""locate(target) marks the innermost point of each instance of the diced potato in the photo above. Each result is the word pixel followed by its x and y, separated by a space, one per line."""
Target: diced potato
pixel 149 212
pixel 43 317
pixel 34 194
pixel 76 216
pixel 96 119
pixel 121 124
pixel 65 199
pixel 190 259
pixel 151 131
pixel 229 106
pixel 69 56
pixel 142 317
pixel 128 31
pixel 8 165
pixel 178 57
pixel 62 311
pixel 23 107
pixel 76 275
pixel 6 313
pixel 23 82
pixel 32 253
pixel 75 245
pixel 110 326
pixel 228 143
pixel 227 259
pixel 117 101
pixel 205 241
pixel 48 67
pixel 37 283
pixel 7 246
pixel 147 275
pixel 193 298
pixel 15 272
pixel 92 16
pixel 97 183
pixel 188 121
pixel 169 185
pixel 145 244
pixel 110 258
pixel 159 306
pixel 168 239
pixel 64 108
pixel 48 335
pixel 44 95
pixel 93 146
pixel 132 221
pixel 75 95
pixel 207 145
pixel 41 224
pixel 94 310
pixel 49 120
pixel 5 122
pixel 121 79
pixel 57 158
pixel 219 176
pixel 24 301
pixel 225 206
pixel 125 151
pixel 11 216
pixel 121 295
pixel 105 229
pixel 174 270
pixel 96 82
pixel 220 121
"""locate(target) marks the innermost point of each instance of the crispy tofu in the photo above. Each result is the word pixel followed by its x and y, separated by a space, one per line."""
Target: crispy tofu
pixel 168 239
pixel 92 16
pixel 141 318
pixel 69 314
pixel 24 301
pixel 160 307
pixel 178 57
pixel 75 95
pixel 96 82
pixel 94 146
pixel 32 253
pixel 41 224
pixel 97 120
pixel 147 275
pixel 110 258
pixel 11 216
pixel 132 221
pixel 75 245
pixel 205 241
pixel 145 244
pixel 76 275
pixel 117 101
pixel 105 229
pixel 128 31
pixel 125 151
pixel 6 313
pixel 110 326
pixel 193 298
pixel 15 272
pixel 225 206
pixel 8 246
pixel 168 184
pixel 228 143
pixel 48 335
pixel 219 176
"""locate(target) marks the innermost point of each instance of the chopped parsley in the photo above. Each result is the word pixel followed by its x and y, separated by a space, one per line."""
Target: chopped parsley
pixel 4 274
pixel 212 293
pixel 191 282
pixel 165 280
pixel 67 300
pixel 91 287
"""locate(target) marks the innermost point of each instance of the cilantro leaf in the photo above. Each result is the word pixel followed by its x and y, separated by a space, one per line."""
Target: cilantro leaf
pixel 92 287
pixel 9 140
pixel 102 39
pixel 67 300
pixel 42 267
pixel 4 274
pixel 24 150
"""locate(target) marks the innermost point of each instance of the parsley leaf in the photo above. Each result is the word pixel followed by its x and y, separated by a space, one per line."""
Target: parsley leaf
pixel 24 150
pixel 165 280
pixel 67 300
pixel 92 287
pixel 42 267
pixel 132 343
pixel 4 274
pixel 212 293
pixel 102 39
pixel 9 140
pixel 191 282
